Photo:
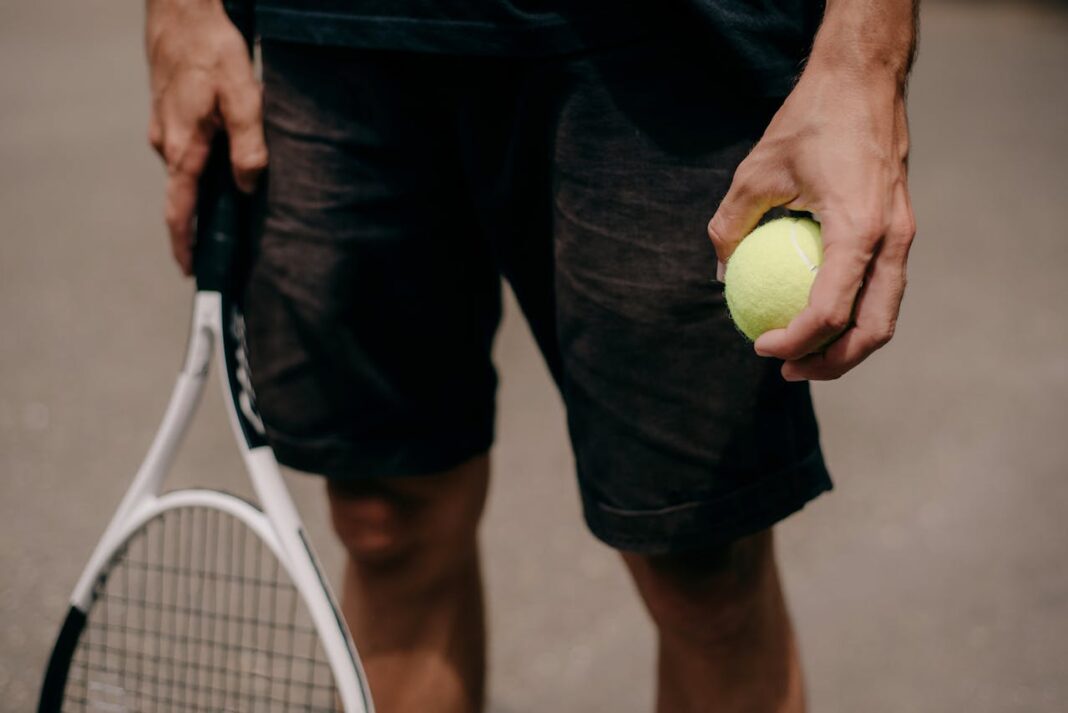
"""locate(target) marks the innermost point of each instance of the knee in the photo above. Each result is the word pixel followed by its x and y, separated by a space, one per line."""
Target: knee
pixel 709 596
pixel 375 527
pixel 426 522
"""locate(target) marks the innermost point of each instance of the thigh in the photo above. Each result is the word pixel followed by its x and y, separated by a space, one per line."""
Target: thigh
pixel 683 437
pixel 372 302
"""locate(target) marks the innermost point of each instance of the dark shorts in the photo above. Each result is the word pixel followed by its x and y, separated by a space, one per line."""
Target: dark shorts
pixel 403 186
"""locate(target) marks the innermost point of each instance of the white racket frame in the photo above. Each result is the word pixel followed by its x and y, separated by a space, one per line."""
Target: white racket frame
pixel 278 524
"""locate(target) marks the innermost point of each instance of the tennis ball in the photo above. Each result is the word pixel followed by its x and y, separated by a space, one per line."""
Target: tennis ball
pixel 770 273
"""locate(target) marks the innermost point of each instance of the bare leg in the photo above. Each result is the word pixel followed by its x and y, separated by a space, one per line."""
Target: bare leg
pixel 725 640
pixel 413 590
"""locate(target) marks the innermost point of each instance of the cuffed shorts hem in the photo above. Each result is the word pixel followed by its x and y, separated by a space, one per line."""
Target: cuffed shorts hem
pixel 708 523
pixel 341 460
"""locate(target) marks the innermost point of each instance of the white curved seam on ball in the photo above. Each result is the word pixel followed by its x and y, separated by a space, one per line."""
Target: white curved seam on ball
pixel 812 267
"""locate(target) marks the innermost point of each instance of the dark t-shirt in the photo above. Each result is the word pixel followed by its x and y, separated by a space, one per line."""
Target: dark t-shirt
pixel 763 41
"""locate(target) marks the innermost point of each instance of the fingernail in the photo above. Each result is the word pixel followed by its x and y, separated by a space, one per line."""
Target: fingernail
pixel 721 270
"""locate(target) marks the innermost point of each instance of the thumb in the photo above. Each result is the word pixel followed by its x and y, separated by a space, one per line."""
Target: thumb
pixel 753 192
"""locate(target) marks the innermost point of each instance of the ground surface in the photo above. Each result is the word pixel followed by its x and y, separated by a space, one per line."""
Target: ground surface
pixel 932 579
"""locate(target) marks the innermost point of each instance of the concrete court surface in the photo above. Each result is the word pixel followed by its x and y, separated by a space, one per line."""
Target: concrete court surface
pixel 934 578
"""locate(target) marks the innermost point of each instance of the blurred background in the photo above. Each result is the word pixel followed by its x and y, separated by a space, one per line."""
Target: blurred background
pixel 934 578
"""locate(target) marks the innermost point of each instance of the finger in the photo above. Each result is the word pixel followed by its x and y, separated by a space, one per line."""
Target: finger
pixel 242 112
pixel 181 204
pixel 753 192
pixel 830 306
pixel 845 353
pixel 186 159
pixel 875 322
pixel 878 302
pixel 849 350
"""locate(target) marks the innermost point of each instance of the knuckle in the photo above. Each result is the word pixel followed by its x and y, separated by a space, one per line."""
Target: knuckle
pixel 870 229
pixel 749 167
pixel 907 228
pixel 174 221
pixel 155 136
pixel 903 231
pixel 832 321
pixel 186 157
pixel 173 151
pixel 715 231
pixel 865 226
pixel 883 336
pixel 251 161
pixel 744 184
pixel 231 46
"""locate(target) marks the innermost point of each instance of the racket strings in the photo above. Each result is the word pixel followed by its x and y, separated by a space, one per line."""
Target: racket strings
pixel 197 614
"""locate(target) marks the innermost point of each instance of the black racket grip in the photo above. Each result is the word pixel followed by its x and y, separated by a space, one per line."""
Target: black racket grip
pixel 225 218
pixel 225 215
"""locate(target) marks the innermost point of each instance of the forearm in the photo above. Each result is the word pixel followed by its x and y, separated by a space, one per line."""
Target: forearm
pixel 868 37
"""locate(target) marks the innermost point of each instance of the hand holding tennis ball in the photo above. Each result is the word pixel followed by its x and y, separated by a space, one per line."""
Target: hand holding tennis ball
pixel 771 273
pixel 838 146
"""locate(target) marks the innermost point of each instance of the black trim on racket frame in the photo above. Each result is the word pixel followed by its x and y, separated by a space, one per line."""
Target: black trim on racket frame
pixel 55 680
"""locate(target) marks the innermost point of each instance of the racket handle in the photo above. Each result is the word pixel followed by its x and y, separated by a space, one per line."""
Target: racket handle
pixel 225 215
pixel 224 225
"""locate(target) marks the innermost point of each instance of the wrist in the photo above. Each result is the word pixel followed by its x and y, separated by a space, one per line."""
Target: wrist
pixel 872 41
pixel 855 75
pixel 866 65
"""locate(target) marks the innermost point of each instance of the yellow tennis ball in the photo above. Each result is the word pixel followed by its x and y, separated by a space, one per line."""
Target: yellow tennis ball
pixel 770 274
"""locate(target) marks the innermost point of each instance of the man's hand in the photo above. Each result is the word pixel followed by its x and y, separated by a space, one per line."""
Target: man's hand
pixel 838 148
pixel 201 78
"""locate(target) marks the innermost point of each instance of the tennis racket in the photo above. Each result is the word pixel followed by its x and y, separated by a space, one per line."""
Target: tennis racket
pixel 197 599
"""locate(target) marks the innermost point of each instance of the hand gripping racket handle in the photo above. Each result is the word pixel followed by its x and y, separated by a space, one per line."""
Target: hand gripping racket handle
pixel 225 215
pixel 222 257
